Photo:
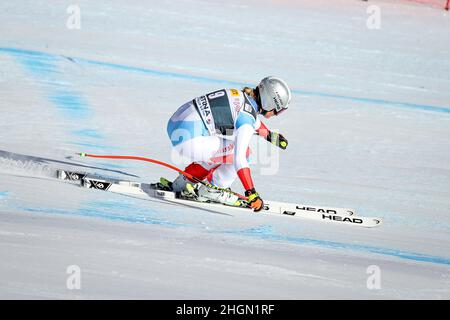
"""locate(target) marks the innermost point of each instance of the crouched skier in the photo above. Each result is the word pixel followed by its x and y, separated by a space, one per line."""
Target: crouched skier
pixel 214 132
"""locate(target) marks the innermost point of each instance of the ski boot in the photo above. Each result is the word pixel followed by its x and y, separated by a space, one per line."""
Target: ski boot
pixel 203 193
pixel 207 194
pixel 163 184
pixel 183 187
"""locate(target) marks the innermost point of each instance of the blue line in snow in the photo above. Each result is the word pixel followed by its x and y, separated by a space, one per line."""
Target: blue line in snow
pixel 266 233
pixel 89 133
pixel 38 63
pixel 159 73
pixel 44 67
pixel 4 194
pixel 107 210
pixel 28 52
pixel 130 213
pixel 153 72
pixel 89 144
pixel 241 84
pixel 422 107
pixel 70 103
pixel 111 165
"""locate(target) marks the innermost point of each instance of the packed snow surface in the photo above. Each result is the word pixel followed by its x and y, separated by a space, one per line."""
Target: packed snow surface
pixel 368 128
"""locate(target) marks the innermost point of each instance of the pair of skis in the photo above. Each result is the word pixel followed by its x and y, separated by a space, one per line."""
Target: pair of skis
pixel 144 190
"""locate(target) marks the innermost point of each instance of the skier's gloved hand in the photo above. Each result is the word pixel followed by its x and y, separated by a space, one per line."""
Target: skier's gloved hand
pixel 254 200
pixel 277 139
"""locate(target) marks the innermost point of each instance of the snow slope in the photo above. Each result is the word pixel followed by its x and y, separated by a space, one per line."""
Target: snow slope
pixel 369 128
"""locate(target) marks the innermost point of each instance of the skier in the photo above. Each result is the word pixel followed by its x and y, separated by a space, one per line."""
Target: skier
pixel 214 132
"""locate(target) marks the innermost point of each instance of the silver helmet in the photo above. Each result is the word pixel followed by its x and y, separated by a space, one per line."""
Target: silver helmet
pixel 275 94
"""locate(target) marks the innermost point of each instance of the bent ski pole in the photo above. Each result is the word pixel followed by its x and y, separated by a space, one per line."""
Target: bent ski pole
pixel 167 165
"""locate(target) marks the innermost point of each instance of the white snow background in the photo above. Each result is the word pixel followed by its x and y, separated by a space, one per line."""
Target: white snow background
pixel 368 128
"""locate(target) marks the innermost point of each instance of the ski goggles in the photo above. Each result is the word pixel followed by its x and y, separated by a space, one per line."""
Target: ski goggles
pixel 275 111
pixel 278 111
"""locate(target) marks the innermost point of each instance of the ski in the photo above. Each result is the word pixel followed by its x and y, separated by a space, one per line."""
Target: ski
pixel 293 207
pixel 70 175
pixel 93 182
pixel 146 190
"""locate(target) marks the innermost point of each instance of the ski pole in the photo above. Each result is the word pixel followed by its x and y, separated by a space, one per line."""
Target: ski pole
pixel 186 174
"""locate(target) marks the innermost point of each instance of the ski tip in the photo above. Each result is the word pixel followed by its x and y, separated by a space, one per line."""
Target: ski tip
pixel 82 154
pixel 378 221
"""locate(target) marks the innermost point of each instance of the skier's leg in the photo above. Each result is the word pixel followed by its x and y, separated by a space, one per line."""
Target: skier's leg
pixel 196 169
pixel 212 156
pixel 224 176
pixel 199 150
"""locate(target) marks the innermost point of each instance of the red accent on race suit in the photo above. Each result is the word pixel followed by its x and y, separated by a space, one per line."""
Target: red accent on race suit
pixel 209 177
pixel 262 131
pixel 197 171
pixel 246 178
pixel 228 158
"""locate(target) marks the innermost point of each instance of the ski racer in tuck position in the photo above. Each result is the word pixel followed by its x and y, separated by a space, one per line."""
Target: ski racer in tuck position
pixel 214 131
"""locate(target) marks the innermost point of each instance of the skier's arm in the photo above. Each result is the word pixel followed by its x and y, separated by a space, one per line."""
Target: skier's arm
pixel 262 130
pixel 244 132
pixel 243 137
pixel 273 137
